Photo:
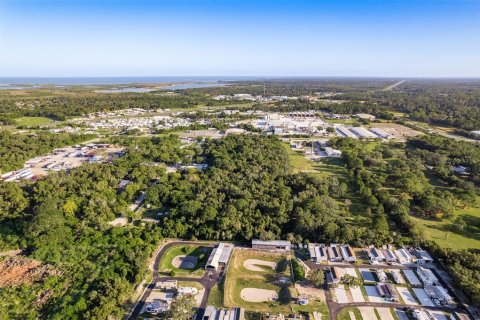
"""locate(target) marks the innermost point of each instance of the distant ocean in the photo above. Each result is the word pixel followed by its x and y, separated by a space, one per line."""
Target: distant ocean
pixel 5 81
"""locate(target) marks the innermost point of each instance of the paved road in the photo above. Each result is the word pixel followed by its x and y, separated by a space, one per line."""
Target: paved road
pixel 208 280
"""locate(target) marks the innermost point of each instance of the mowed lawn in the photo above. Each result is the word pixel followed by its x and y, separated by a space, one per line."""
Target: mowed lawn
pixel 33 121
pixel 239 277
pixel 201 252
pixel 447 235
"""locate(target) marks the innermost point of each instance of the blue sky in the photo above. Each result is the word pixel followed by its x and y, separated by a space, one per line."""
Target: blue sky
pixel 407 38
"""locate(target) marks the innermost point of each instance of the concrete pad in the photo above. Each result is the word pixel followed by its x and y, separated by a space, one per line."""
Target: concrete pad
pixel 423 297
pixel 258 295
pixel 373 295
pixel 357 295
pixel 368 313
pixel 184 262
pixel 385 314
pixel 341 294
pixel 352 315
pixel 407 296
pixel 412 277
pixel 352 272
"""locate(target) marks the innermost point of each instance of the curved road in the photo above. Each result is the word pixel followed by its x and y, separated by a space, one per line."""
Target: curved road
pixel 208 280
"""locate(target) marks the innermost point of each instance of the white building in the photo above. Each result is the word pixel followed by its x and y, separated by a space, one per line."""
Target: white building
pixel 272 245
pixel 334 254
pixel 318 252
pixel 344 132
pixel 330 152
pixel 375 255
pixel 421 256
pixel 381 133
pixel 347 253
pixel 389 255
pixel 361 132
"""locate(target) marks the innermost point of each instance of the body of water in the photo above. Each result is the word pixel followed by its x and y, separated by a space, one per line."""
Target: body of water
pixel 29 81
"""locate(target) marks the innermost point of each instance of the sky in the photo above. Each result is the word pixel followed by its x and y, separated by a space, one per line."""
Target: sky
pixel 389 38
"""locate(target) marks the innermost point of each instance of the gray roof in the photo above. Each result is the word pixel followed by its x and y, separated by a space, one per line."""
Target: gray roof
pixel 271 242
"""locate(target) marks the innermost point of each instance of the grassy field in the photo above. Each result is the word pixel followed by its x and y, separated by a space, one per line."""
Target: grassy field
pixel 33 121
pixel 239 277
pixel 201 252
pixel 216 296
pixel 445 233
pixel 298 162
pixel 345 314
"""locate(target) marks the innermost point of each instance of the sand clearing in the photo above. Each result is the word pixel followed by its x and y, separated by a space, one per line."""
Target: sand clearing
pixel 341 294
pixel 368 313
pixel 184 262
pixel 258 265
pixel 357 295
pixel 385 314
pixel 258 295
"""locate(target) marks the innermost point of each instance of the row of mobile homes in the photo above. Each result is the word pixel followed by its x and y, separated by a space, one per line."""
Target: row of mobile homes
pixel 212 313
pixel 427 276
pixel 272 245
pixel 218 259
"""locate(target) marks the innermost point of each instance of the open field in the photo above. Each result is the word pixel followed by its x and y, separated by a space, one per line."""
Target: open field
pixel 346 314
pixel 397 130
pixel 447 235
pixel 170 259
pixel 239 278
pixel 33 121
pixel 298 162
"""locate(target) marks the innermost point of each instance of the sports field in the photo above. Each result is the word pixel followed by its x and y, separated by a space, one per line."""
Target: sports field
pixel 185 260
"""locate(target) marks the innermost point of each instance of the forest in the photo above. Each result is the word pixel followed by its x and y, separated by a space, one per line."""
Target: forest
pixel 247 191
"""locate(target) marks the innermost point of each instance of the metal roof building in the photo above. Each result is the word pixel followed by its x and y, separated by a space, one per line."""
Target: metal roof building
pixel 220 256
pixel 275 245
